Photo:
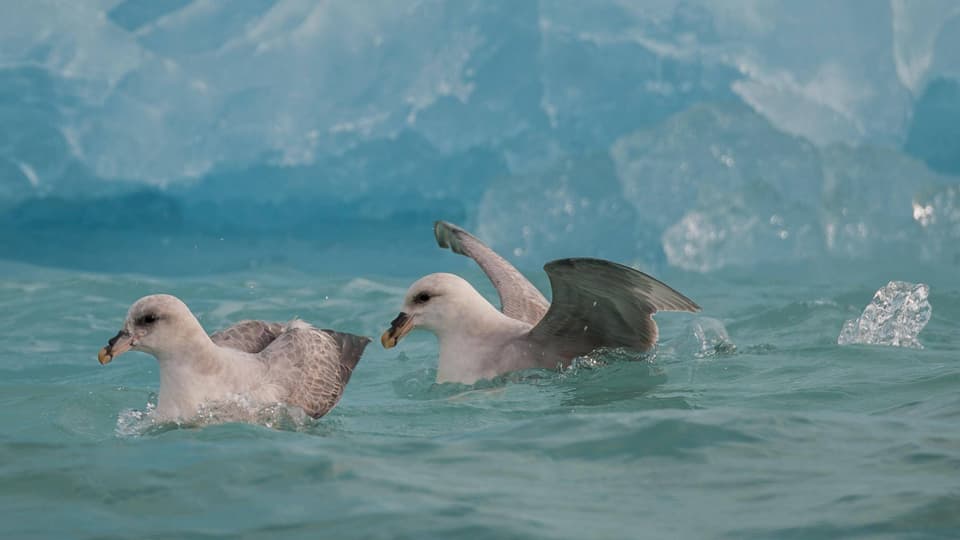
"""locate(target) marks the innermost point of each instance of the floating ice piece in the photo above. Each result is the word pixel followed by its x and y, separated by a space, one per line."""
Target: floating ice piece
pixel 896 315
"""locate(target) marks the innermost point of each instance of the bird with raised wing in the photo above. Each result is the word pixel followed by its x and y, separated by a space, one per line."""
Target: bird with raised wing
pixel 596 304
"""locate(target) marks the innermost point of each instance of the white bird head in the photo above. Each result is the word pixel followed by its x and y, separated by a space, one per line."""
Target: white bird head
pixel 436 302
pixel 155 324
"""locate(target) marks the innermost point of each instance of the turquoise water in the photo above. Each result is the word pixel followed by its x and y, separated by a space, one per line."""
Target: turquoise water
pixel 781 434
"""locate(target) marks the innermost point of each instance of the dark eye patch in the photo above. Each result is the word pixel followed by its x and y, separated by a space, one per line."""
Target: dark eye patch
pixel 422 298
pixel 148 318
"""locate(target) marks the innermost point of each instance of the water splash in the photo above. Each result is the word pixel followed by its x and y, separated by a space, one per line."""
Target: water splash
pixel 139 423
pixel 421 384
pixel 605 356
pixel 708 337
pixel 135 423
pixel 705 337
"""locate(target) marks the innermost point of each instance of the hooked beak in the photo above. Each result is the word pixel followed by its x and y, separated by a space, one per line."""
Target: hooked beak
pixel 117 345
pixel 400 326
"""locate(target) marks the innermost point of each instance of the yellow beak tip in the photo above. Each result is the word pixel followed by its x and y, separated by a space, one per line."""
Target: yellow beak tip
pixel 104 357
pixel 388 341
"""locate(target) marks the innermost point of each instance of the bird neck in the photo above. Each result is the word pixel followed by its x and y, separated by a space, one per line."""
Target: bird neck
pixel 195 370
pixel 466 344
pixel 475 317
pixel 192 348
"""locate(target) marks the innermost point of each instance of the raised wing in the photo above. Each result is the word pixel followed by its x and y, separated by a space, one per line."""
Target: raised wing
pixel 518 297
pixel 248 336
pixel 599 303
pixel 313 366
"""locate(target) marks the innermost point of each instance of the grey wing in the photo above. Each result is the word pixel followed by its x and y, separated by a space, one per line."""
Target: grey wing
pixel 313 366
pixel 248 336
pixel 518 297
pixel 599 303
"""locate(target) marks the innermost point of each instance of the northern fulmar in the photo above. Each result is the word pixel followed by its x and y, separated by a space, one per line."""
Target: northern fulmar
pixel 263 362
pixel 596 304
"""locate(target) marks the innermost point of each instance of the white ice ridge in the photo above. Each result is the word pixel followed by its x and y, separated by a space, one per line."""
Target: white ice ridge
pixel 895 316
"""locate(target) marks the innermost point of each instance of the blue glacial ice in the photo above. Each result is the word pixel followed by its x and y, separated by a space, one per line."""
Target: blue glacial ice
pixel 934 133
pixel 697 135
pixel 539 216
pixel 937 212
pixel 737 187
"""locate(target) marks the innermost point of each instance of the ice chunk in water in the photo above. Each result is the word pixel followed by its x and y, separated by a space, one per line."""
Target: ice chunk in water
pixel 896 315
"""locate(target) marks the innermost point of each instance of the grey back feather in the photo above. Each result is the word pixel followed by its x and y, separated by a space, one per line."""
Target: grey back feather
pixel 351 348
pixel 599 303
pixel 248 336
pixel 518 297
pixel 313 366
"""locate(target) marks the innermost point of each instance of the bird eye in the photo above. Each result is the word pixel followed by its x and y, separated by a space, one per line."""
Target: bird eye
pixel 149 318
pixel 422 298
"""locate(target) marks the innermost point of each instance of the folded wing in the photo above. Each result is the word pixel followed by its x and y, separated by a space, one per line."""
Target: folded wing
pixel 313 366
pixel 518 297
pixel 599 303
pixel 248 336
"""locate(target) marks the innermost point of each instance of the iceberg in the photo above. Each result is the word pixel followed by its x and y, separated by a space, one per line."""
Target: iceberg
pixel 895 316
pixel 165 93
pixel 574 209
pixel 701 135
pixel 934 134
pixel 747 228
pixel 723 187
pixel 703 153
pixel 868 198
pixel 937 212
